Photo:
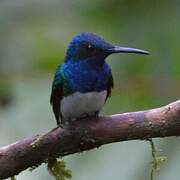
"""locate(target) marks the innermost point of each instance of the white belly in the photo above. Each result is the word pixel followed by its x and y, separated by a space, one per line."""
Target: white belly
pixel 80 104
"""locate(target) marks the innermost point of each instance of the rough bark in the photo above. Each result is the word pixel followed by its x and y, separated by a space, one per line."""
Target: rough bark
pixel 85 134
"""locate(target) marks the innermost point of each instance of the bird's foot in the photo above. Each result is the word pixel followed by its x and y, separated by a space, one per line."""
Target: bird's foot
pixel 90 116
pixel 86 137
pixel 85 131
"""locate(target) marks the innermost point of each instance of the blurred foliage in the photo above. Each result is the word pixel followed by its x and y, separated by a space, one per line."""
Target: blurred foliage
pixel 5 94
pixel 34 35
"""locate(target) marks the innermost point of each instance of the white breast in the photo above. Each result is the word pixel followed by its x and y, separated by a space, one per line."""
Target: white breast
pixel 78 104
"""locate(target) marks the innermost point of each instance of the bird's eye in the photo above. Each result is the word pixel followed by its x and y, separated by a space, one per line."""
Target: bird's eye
pixel 88 50
pixel 91 49
pixel 89 46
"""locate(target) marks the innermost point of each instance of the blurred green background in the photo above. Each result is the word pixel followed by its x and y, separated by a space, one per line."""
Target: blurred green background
pixel 33 38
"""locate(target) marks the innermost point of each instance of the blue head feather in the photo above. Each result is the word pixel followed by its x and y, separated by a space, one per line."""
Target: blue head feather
pixel 87 46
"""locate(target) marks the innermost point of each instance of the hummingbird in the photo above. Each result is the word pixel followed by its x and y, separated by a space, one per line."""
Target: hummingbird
pixel 83 83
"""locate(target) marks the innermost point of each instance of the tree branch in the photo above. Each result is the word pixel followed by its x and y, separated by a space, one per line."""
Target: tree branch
pixel 87 134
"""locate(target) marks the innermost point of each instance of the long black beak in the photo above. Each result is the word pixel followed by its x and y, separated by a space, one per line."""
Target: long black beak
pixel 119 49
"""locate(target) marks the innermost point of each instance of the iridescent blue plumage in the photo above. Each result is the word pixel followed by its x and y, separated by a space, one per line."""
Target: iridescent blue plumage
pixel 85 77
pixel 83 82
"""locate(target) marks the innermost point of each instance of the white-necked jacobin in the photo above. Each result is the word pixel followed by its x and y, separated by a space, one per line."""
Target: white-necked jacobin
pixel 83 82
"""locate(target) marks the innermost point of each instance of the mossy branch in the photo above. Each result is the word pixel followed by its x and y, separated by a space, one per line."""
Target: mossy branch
pixel 87 134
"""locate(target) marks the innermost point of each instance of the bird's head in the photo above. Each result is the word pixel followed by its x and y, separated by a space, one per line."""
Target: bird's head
pixel 89 46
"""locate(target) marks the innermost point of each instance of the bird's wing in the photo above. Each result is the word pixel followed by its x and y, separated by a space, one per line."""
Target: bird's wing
pixel 110 85
pixel 57 94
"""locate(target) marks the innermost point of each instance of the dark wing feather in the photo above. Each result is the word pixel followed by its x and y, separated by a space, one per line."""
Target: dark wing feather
pixel 110 85
pixel 56 95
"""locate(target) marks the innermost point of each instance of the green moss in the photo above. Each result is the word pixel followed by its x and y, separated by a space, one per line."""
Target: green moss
pixel 156 160
pixel 58 169
pixel 13 178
